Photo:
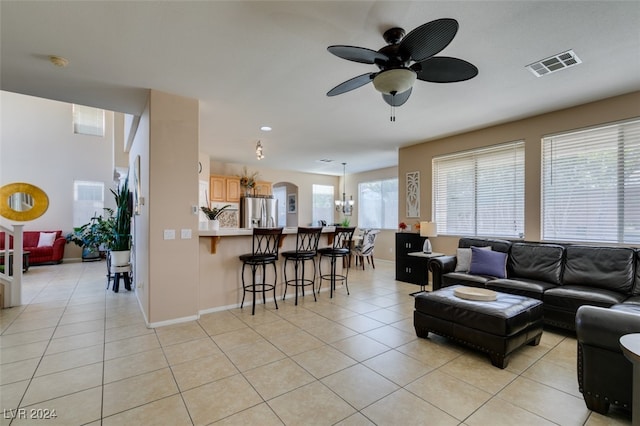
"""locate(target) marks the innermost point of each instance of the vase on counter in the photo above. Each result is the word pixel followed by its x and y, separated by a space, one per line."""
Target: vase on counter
pixel 214 225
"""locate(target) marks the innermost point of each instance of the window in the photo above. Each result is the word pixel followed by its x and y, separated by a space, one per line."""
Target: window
pixel 322 199
pixel 88 120
pixel 480 192
pixel 88 201
pixel 591 185
pixel 378 204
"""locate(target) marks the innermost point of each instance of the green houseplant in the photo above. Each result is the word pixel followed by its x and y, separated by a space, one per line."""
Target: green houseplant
pixel 120 242
pixel 93 235
pixel 213 214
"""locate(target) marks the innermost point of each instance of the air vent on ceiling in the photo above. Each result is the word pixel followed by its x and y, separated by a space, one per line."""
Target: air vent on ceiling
pixel 554 63
pixel 325 160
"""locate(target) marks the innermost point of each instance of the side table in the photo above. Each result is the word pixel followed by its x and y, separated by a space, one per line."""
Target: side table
pixel 25 260
pixel 630 344
pixel 425 264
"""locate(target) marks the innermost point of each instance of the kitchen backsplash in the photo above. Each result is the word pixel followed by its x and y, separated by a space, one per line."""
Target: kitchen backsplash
pixel 229 219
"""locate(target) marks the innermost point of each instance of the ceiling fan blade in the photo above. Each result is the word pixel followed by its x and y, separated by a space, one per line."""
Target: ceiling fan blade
pixel 358 54
pixel 398 99
pixel 351 84
pixel 442 69
pixel 429 39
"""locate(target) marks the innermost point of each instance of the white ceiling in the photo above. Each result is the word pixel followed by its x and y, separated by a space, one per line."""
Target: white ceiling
pixel 265 63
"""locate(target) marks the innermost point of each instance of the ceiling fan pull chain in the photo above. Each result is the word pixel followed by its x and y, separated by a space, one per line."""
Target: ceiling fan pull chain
pixel 392 118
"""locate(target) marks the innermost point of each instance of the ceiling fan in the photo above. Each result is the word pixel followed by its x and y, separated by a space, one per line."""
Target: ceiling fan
pixel 397 74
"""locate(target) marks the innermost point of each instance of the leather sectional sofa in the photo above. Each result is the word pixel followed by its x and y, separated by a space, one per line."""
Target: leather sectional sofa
pixel 39 252
pixel 564 277
pixel 592 290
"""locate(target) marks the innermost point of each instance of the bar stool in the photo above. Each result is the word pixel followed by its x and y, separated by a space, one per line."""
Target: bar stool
pixel 265 246
pixel 340 249
pixel 306 249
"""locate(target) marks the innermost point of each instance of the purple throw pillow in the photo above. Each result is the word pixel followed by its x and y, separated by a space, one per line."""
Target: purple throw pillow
pixel 486 262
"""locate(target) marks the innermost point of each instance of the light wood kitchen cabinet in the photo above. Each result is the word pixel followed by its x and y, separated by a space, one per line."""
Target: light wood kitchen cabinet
pixel 262 188
pixel 233 189
pixel 224 189
pixel 217 188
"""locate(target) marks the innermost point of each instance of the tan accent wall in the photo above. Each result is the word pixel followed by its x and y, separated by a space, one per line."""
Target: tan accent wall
pixel 173 190
pixel 531 130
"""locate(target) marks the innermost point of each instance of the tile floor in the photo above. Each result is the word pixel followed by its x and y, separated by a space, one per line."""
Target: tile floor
pixel 351 360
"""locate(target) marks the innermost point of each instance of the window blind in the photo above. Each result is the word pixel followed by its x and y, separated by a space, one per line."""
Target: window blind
pixel 591 184
pixel 88 201
pixel 322 199
pixel 378 204
pixel 480 192
pixel 88 120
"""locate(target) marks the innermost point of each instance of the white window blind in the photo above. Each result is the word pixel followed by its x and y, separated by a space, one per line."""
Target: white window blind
pixel 88 120
pixel 322 199
pixel 88 201
pixel 591 185
pixel 480 192
pixel 378 204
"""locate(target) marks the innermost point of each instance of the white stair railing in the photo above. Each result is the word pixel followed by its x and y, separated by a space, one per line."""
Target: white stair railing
pixel 12 262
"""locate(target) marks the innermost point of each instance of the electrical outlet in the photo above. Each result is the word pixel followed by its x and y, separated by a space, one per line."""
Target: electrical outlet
pixel 185 234
pixel 169 234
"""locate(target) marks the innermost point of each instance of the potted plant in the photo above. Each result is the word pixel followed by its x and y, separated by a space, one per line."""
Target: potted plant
pixel 248 181
pixel 120 243
pixel 91 236
pixel 213 214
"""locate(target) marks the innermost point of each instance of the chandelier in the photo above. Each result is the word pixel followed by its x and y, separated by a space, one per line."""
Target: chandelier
pixel 345 206
pixel 259 153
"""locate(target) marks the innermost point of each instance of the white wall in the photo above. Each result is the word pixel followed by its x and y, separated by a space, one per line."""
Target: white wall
pixel 38 146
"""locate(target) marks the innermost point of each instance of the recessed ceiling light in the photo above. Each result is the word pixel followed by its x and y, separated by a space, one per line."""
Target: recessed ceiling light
pixel 265 128
pixel 58 61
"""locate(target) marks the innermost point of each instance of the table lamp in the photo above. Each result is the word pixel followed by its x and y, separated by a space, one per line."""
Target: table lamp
pixel 428 229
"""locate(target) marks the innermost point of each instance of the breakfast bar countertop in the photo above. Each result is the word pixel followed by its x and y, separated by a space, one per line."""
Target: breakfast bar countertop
pixel 220 270
pixel 234 232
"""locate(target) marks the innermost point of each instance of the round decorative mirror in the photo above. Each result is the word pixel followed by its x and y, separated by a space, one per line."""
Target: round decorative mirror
pixel 22 201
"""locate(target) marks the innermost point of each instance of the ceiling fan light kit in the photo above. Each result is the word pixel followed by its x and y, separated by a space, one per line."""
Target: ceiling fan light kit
pixel 394 81
pixel 397 74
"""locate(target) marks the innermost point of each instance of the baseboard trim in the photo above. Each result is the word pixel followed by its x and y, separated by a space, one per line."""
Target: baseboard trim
pixel 171 321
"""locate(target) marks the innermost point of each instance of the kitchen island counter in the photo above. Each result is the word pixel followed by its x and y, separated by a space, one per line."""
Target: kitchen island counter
pixel 237 232
pixel 220 281
pixel 230 232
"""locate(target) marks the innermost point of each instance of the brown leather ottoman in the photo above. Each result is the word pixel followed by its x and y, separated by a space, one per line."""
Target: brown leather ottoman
pixel 497 327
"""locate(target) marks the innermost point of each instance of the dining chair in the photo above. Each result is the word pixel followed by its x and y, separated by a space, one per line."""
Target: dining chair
pixel 365 248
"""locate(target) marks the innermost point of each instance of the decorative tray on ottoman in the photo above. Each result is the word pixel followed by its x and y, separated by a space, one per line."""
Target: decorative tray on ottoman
pixel 474 293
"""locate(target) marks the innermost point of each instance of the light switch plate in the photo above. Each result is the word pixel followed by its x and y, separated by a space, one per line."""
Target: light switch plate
pixel 169 234
pixel 185 234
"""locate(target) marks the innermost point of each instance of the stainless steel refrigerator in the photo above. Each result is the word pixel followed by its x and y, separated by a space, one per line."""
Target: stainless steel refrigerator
pixel 258 212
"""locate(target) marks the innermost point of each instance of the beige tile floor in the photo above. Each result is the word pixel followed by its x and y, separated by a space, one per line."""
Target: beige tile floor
pixel 351 360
